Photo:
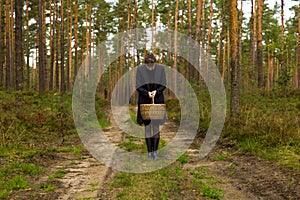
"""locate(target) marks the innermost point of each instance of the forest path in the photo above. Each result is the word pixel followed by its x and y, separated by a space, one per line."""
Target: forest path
pixel 243 176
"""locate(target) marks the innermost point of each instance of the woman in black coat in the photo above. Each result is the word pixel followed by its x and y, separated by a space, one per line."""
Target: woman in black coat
pixel 150 82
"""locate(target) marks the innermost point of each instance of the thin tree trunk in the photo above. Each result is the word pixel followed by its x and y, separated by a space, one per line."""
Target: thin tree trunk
pixel 234 61
pixel 27 47
pixel 190 68
pixel 198 21
pixel 259 44
pixel 176 35
pixel 45 47
pixel 253 34
pixel 298 46
pixel 1 46
pixel 12 47
pixel 57 82
pixel 76 39
pixel 7 44
pixel 41 51
pixel 153 27
pixel 209 32
pixel 62 52
pixel 52 21
pixel 136 23
pixel 19 45
pixel 70 70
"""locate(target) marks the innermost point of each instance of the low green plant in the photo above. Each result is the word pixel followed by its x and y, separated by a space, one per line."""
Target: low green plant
pixel 58 174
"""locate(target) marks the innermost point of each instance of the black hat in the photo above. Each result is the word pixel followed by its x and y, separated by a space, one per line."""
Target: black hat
pixel 150 58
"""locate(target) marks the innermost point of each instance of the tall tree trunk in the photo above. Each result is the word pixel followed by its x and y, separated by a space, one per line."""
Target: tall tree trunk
pixel 27 47
pixel 62 52
pixel 52 33
pixel 153 27
pixel 221 49
pixel 176 35
pixel 19 45
pixel 209 31
pixel 12 47
pixel 241 15
pixel 198 21
pixel 283 67
pixel 56 66
pixel 234 61
pixel 76 39
pixel 253 43
pixel 45 47
pixel 1 46
pixel 259 44
pixel 298 56
pixel 190 68
pixel 7 44
pixel 41 51
pixel 136 23
pixel 70 69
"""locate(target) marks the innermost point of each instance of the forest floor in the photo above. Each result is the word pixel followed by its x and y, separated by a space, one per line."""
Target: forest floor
pixel 229 174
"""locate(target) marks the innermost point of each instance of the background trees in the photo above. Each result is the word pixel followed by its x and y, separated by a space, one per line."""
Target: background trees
pixel 43 47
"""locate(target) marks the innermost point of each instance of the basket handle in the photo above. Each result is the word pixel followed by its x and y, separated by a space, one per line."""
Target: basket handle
pixel 152 100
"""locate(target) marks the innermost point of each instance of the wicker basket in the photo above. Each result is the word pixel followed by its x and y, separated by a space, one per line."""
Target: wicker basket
pixel 153 111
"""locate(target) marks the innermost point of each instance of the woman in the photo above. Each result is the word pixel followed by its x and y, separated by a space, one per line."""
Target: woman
pixel 150 82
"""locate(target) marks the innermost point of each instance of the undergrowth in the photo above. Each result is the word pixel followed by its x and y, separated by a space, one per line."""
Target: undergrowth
pixel 33 127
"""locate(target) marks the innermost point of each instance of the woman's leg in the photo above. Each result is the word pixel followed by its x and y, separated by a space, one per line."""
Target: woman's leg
pixel 148 139
pixel 155 139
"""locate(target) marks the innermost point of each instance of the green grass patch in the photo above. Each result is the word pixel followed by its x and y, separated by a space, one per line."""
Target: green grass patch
pixel 58 174
pixel 166 183
pixel 47 187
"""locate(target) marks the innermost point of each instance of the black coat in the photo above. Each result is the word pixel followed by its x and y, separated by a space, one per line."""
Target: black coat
pixel 148 81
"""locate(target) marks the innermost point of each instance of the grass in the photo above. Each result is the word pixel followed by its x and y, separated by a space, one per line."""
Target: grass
pixel 47 187
pixel 58 174
pixel 31 129
pixel 166 183
pixel 12 176
pixel 268 125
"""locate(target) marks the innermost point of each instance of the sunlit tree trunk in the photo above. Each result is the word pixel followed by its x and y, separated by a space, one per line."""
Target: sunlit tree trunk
pixel 234 60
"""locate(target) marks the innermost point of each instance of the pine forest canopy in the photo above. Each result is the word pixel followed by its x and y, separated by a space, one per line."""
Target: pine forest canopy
pixel 42 47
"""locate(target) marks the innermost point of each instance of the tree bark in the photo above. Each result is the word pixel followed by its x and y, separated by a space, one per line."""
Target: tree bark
pixel 7 44
pixel 234 61
pixel 52 33
pixel 76 39
pixel 298 46
pixel 1 47
pixel 259 44
pixel 41 51
pixel 62 50
pixel 27 47
pixel 19 45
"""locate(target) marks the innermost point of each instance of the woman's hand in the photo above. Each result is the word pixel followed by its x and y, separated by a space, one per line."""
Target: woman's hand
pixel 152 94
